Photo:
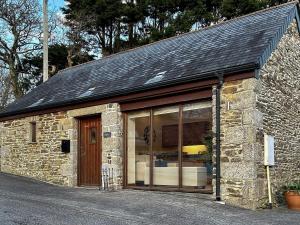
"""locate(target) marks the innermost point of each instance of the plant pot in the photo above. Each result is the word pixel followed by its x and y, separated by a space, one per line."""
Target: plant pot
pixel 293 200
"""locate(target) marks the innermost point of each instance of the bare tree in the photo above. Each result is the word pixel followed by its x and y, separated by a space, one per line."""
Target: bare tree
pixel 20 34
pixel 5 90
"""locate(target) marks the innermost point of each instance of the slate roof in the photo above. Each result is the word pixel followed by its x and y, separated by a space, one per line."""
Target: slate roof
pixel 242 43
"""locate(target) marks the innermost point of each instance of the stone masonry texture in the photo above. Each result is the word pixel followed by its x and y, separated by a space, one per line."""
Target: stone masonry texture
pixel 252 107
pixel 44 160
pixel 278 100
pixel 238 143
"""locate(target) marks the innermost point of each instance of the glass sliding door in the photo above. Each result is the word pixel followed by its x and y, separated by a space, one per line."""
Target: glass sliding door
pixel 170 147
pixel 197 146
pixel 138 148
pixel 165 146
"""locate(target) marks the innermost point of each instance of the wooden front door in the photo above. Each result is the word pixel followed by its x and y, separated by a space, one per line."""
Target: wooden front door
pixel 90 151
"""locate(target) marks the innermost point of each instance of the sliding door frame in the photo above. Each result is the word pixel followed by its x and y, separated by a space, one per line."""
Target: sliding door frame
pixel 180 140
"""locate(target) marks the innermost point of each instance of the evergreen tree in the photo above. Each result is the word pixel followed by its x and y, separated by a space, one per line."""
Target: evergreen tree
pixel 98 18
pixel 58 60
pixel 234 8
pixel 133 15
pixel 117 25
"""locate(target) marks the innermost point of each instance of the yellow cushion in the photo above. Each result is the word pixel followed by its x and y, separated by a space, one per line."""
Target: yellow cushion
pixel 194 149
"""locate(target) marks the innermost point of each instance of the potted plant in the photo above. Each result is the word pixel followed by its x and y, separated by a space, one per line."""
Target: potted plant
pixel 292 195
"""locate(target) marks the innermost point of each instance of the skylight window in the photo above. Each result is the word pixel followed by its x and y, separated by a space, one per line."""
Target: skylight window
pixel 87 93
pixel 159 76
pixel 37 103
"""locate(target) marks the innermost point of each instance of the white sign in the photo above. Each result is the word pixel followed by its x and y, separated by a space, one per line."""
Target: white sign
pixel 269 150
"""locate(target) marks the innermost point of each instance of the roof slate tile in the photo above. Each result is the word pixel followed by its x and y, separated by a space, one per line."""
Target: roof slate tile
pixel 230 44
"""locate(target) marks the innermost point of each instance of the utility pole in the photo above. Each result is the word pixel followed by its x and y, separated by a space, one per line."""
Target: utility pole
pixel 45 40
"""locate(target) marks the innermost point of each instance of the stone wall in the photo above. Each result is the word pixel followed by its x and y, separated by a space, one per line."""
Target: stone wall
pixel 239 122
pixel 44 160
pixel 278 99
pixel 252 107
pixel 112 147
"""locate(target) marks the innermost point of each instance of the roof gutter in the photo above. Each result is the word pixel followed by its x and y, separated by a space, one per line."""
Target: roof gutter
pixel 195 77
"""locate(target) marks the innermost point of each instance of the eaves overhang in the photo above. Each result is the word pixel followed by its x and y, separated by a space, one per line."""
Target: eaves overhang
pixel 167 83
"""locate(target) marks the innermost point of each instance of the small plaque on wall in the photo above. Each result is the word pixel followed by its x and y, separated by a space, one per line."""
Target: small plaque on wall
pixel 107 134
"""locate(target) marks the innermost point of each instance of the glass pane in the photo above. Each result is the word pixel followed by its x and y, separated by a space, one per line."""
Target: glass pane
pixel 197 146
pixel 138 148
pixel 93 135
pixel 165 146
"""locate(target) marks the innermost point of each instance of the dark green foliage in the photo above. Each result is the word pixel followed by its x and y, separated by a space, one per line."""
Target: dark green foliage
pixel 295 186
pixel 234 8
pixel 32 69
pixel 58 54
pixel 99 18
pixel 58 60
pixel 118 25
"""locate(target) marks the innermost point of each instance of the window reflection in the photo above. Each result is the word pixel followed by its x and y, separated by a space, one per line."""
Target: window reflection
pixel 197 146
pixel 165 146
pixel 138 148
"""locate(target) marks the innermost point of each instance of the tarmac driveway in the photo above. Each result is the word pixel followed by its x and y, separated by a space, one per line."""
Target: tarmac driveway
pixel 24 201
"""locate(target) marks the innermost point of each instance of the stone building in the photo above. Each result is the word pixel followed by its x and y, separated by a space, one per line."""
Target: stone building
pixel 188 113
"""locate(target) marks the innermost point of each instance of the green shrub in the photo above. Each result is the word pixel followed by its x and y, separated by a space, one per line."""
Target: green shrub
pixel 295 186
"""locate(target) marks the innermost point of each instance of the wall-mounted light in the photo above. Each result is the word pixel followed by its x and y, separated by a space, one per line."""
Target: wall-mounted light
pixel 228 105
